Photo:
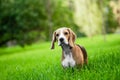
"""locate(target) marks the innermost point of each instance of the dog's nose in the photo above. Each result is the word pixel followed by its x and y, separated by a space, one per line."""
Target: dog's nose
pixel 61 39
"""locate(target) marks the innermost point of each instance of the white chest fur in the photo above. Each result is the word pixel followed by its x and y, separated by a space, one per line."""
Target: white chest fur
pixel 68 60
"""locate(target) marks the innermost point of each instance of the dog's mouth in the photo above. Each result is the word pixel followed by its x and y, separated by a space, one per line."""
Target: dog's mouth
pixel 62 44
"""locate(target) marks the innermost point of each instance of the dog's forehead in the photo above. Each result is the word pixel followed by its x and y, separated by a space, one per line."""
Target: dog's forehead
pixel 61 30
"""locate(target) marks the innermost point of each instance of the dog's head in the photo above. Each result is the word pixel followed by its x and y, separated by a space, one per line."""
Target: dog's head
pixel 63 36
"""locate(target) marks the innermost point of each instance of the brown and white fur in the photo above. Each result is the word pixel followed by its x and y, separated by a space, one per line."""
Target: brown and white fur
pixel 72 54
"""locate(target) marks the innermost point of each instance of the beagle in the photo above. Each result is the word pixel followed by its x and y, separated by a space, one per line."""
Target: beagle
pixel 72 54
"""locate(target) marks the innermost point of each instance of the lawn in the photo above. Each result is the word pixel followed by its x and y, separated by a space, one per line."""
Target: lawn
pixel 38 62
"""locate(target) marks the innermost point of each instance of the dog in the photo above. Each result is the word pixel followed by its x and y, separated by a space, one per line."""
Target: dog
pixel 72 54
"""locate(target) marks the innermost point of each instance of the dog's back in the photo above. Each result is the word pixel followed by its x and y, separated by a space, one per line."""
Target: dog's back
pixel 84 54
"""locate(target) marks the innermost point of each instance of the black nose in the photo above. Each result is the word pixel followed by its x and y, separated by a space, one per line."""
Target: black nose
pixel 61 39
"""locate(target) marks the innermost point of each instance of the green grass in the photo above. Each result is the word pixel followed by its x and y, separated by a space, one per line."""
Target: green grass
pixel 38 62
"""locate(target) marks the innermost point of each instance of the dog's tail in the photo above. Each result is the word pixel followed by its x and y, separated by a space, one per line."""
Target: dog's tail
pixel 84 54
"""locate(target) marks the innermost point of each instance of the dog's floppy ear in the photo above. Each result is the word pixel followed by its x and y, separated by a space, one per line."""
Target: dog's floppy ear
pixel 53 40
pixel 72 37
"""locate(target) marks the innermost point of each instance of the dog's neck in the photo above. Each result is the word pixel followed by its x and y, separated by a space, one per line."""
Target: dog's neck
pixel 66 48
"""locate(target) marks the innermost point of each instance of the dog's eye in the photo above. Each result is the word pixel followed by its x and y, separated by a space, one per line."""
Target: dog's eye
pixel 66 33
pixel 57 35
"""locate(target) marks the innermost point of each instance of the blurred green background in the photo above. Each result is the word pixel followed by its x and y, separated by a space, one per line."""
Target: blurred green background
pixel 25 22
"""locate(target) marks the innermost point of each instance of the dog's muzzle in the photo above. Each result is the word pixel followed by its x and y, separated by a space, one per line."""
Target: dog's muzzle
pixel 61 40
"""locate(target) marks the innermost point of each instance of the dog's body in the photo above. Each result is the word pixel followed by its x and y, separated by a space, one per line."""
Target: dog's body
pixel 72 54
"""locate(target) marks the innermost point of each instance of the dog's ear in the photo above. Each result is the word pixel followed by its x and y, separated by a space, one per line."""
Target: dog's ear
pixel 72 37
pixel 53 40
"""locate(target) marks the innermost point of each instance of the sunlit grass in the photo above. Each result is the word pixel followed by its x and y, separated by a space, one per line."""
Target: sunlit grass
pixel 38 62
